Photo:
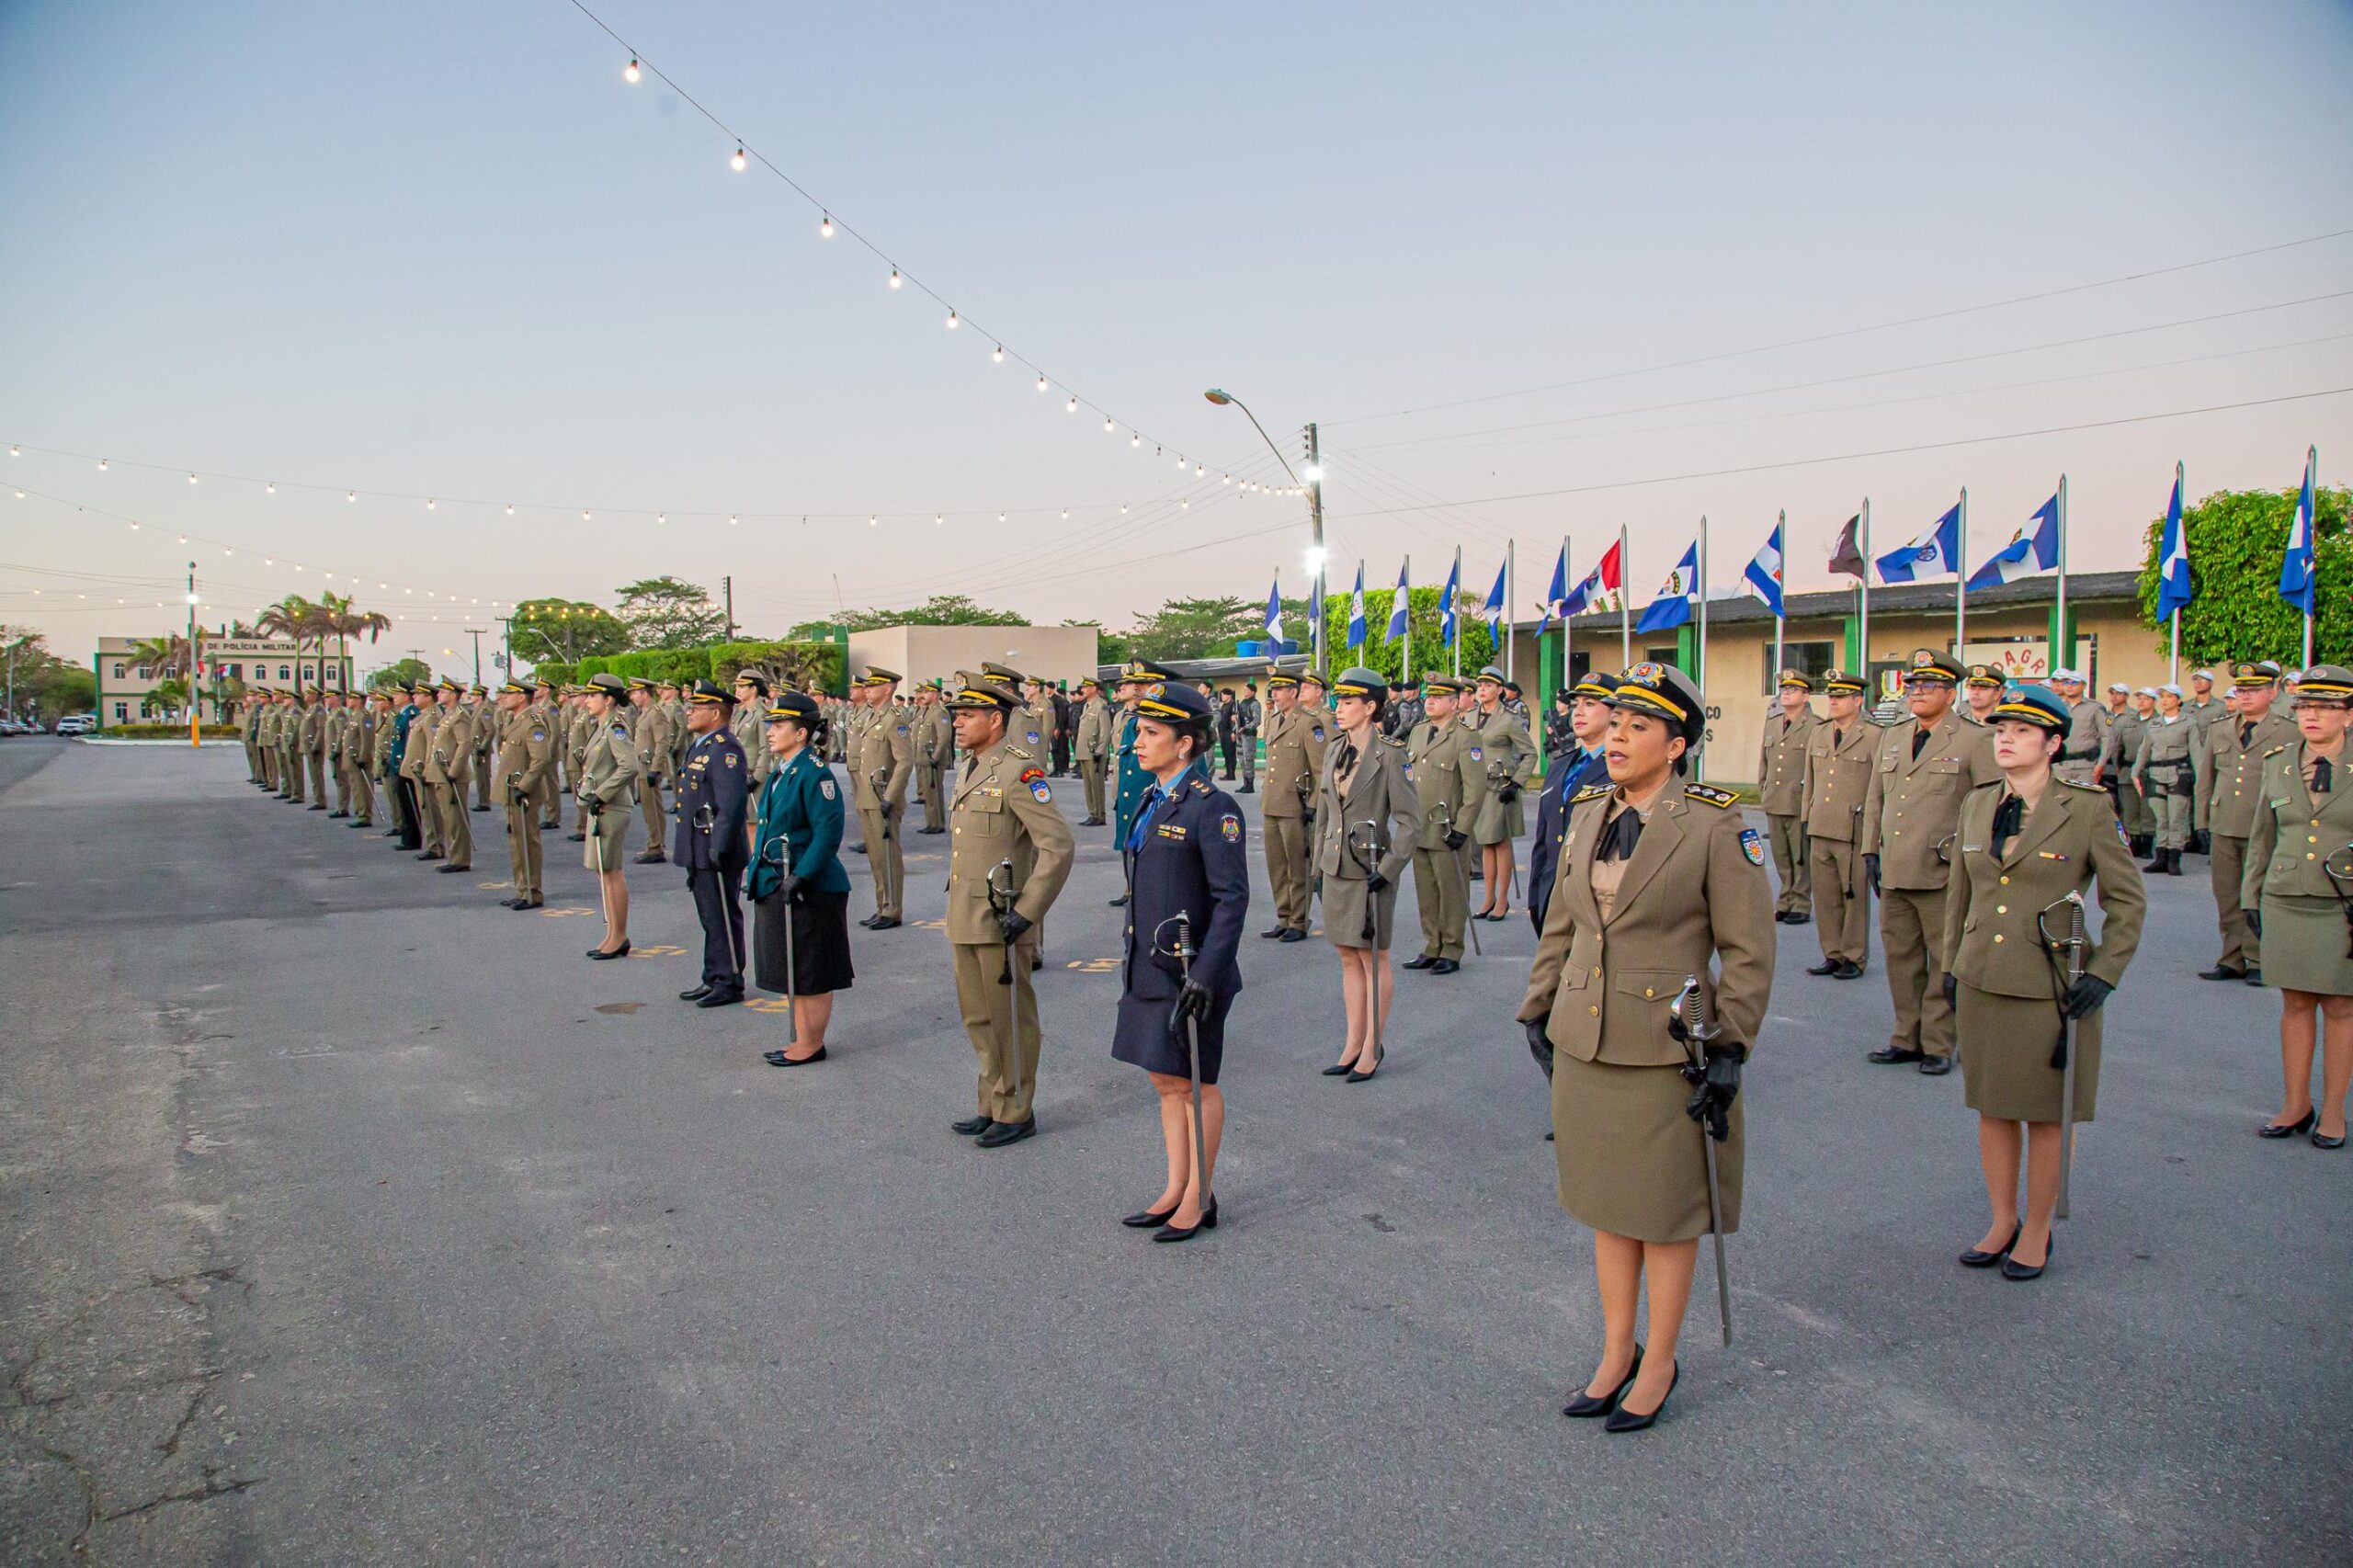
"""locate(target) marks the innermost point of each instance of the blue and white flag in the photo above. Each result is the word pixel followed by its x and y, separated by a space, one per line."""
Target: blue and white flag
pixel 1673 606
pixel 1356 611
pixel 1935 553
pixel 1449 630
pixel 1398 606
pixel 2034 548
pixel 1764 573
pixel 2174 588
pixel 1275 610
pixel 1556 597
pixel 2296 567
pixel 1491 612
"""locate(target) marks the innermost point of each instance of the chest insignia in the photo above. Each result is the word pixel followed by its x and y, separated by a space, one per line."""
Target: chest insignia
pixel 1170 830
pixel 1229 825
pixel 1752 846
pixel 2051 855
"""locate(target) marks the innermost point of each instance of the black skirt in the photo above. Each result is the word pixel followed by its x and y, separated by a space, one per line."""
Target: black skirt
pixel 1145 1040
pixel 820 943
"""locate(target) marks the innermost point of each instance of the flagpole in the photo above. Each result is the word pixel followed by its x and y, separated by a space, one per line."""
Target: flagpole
pixel 1863 630
pixel 2062 645
pixel 1456 590
pixel 1781 618
pixel 2179 491
pixel 1699 763
pixel 2312 548
pixel 1625 603
pixel 1405 587
pixel 1502 622
pixel 1568 636
pixel 1960 578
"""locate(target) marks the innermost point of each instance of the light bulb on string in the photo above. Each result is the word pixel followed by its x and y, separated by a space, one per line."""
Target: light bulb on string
pixel 736 163
pixel 191 478
pixel 662 518
pixel 951 320
pixel 1000 516
pixel 271 488
pixel 630 72
pixel 431 505
pixel 1070 407
pixel 1134 440
pixel 1107 425
pixel 1180 462
pixel 1065 513
pixel 15 450
pixel 940 519
pixel 510 508
pixel 134 525
pixel 826 227
pixel 102 465
pixel 1198 469
pixel 731 519
pixel 1187 505
pixel 584 514
pixel 997 358
pixel 870 519
pixel 895 279
pixel 351 496
pixel 1042 384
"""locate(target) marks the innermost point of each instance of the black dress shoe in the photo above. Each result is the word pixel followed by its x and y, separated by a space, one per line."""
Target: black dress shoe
pixel 778 1059
pixel 1340 1069
pixel 2255 975
pixel 1887 1055
pixel 696 994
pixel 1444 966
pixel 1422 960
pixel 1936 1066
pixel 318 808
pixel 1978 1258
pixel 650 858
pixel 1274 933
pixel 2221 971
pixel 526 904
pixel 332 816
pixel 1585 1405
pixel 482 808
pixel 883 923
pixel 577 837
pixel 726 996
pixel 430 854
pixel 2323 1141
pixel 600 955
pixel 971 1126
pixel 1000 1133
pixel 1082 822
pixel 2288 1129
pixel 1780 917
pixel 1828 966
pixel 1624 1420
pixel 511 903
pixel 1293 935
pixel 1148 1219
pixel 1847 971
pixel 1247 788
pixel 870 920
pixel 1119 903
pixel 2013 1270
pixel 453 870
pixel 1799 917
pixel 1187 1233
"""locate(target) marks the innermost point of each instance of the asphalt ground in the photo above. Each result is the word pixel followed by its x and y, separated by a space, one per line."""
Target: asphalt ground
pixel 354 1219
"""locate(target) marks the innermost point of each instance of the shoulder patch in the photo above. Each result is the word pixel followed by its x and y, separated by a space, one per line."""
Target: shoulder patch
pixel 1031 775
pixel 621 731
pixel 1720 799
pixel 1752 847
pixel 1229 825
pixel 1590 793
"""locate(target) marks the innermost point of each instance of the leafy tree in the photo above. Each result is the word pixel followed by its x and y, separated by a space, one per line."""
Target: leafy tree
pixel 566 629
pixel 1423 632
pixel 406 672
pixel 665 612
pixel 940 609
pixel 57 688
pixel 1110 647
pixel 2237 537
pixel 1195 628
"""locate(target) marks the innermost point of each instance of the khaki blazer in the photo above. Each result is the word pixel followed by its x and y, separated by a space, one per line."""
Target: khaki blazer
pixel 884 760
pixel 2232 769
pixel 1780 762
pixel 2288 850
pixel 526 753
pixel 1437 756
pixel 1000 814
pixel 1295 746
pixel 2070 839
pixel 1379 793
pixel 453 748
pixel 1914 804
pixel 1694 892
pixel 1838 778
pixel 608 768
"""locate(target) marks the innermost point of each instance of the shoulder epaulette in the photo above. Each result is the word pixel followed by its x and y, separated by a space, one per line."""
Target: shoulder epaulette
pixel 1019 752
pixel 1977 789
pixel 2086 788
pixel 1392 741
pixel 1720 799
pixel 2275 751
pixel 1590 793
pixel 1200 786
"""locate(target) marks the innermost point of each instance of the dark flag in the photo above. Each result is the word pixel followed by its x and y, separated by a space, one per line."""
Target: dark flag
pixel 1847 555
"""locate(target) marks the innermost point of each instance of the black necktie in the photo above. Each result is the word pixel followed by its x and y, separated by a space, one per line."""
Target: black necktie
pixel 2246 733
pixel 1919 740
pixel 2320 775
pixel 2006 817
pixel 1620 836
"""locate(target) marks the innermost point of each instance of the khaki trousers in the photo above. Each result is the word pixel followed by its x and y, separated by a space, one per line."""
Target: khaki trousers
pixel 649 802
pixel 935 796
pixel 1444 901
pixel 1288 844
pixel 2132 809
pixel 523 849
pixel 290 774
pixel 482 781
pixel 252 757
pixel 363 796
pixel 2173 820
pixel 1787 835
pixel 1840 920
pixel 1090 777
pixel 885 856
pixel 318 765
pixel 457 831
pixel 1911 930
pixel 2240 947
pixel 1006 1089
pixel 428 806
pixel 268 766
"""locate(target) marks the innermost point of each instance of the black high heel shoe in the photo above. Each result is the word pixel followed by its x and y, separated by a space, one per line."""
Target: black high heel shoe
pixel 1339 1068
pixel 2013 1270
pixel 1977 1258
pixel 2323 1141
pixel 1145 1219
pixel 1625 1420
pixel 2288 1129
pixel 1378 1058
pixel 1586 1404
pixel 600 954
pixel 1187 1233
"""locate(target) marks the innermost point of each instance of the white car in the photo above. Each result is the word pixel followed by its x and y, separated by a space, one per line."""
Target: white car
pixel 75 724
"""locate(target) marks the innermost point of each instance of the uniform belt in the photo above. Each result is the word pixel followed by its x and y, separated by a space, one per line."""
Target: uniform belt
pixel 2079 755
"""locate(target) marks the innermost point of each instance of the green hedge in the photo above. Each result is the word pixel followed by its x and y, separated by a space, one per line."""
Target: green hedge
pixel 800 660
pixel 554 671
pixel 180 732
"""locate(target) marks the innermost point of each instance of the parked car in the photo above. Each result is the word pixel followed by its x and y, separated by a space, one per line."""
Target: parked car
pixel 76 724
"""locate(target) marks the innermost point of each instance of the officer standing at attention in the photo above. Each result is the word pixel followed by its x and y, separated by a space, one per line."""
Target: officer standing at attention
pixel 1129 779
pixel 290 752
pixel 526 758
pixel 2205 709
pixel 360 737
pixel 2084 760
pixel 886 758
pixel 247 711
pixel 942 729
pixel 608 777
pixel 1295 735
pixel 1983 688
pixel 2162 766
pixel 2027 842
pixel 713 841
pixel 799 894
pixel 650 732
pixel 1248 715
pixel 1436 754
pixel 1501 749
pixel 1927 766
pixel 1581 763
pixel 449 769
pixel 2304 819
pixel 1838 783
pixel 1091 748
pixel 400 793
pixel 1042 731
pixel 334 728
pixel 2124 750
pixel 549 810
pixel 314 746
pixel 579 729
pixel 1405 709
pixel 750 725
pixel 2235 749
pixel 479 710
pixel 1003 811
pixel 1780 789
pixel 1368 822
pixel 919 728
pixel 1658 880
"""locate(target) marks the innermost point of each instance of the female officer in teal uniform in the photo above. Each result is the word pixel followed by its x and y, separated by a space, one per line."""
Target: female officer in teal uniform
pixel 796 882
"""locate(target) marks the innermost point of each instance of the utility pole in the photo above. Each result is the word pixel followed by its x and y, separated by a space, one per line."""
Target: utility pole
pixel 477 633
pixel 195 710
pixel 1314 477
pixel 727 593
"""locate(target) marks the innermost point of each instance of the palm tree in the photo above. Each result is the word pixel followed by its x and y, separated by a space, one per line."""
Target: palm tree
pixel 337 615
pixel 294 618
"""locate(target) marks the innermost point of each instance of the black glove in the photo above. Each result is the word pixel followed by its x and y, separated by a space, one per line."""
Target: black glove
pixel 1870 868
pixel 1193 1000
pixel 1717 1085
pixel 1376 882
pixel 1456 838
pixel 2254 922
pixel 1952 991
pixel 2085 996
pixel 789 886
pixel 1507 794
pixel 1540 1044
pixel 1012 923
pixel 594 807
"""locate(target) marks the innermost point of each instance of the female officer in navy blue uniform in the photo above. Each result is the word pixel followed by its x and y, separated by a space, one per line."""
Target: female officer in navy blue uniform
pixel 1185 854
pixel 796 879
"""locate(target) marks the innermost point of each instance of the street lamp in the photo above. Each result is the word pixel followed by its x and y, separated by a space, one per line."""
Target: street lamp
pixel 1313 476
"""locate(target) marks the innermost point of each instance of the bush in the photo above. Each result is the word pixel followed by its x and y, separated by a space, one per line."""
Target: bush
pixel 552 670
pixel 173 731
pixel 797 662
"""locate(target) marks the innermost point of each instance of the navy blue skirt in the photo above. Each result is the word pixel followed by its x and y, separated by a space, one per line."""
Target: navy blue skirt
pixel 1145 1041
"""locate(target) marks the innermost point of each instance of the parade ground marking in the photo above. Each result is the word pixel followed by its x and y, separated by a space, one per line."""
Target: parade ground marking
pixel 559 914
pixel 488 885
pixel 1094 966
pixel 767 1004
pixel 928 925
pixel 624 1008
pixel 655 950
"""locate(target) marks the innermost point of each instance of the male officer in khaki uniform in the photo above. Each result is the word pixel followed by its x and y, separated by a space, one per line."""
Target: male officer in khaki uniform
pixel 2205 711
pixel 413 761
pixel 1838 784
pixel 313 744
pixel 886 760
pixel 245 716
pixel 1039 714
pixel 2162 769
pixel 479 712
pixel 650 732
pixel 1437 759
pixel 288 727
pixel 918 712
pixel 2232 770
pixel 1983 688
pixel 1926 767
pixel 359 755
pixel 449 769
pixel 858 713
pixel 1091 747
pixel 1294 735
pixel 939 734
pixel 1781 791
pixel 331 725
pixel 1003 811
pixel 526 749
pixel 2084 756
pixel 2126 726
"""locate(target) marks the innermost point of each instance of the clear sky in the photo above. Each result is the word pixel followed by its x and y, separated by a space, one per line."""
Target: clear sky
pixel 443 249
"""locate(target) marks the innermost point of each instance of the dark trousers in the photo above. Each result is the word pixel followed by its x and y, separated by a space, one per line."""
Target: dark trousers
pixel 1226 745
pixel 722 914
pixel 1062 752
pixel 409 812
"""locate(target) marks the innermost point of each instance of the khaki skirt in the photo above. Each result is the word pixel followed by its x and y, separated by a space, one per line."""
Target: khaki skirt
pixel 2304 942
pixel 606 831
pixel 1346 902
pixel 2005 1043
pixel 1629 1157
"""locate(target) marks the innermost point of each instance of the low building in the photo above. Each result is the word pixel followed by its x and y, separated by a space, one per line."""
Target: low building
pixel 919 653
pixel 126 687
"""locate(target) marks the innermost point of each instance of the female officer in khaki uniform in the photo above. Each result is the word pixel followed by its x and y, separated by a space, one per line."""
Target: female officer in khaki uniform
pixel 1657 879
pixel 1368 820
pixel 2023 844
pixel 608 776
pixel 1501 754
pixel 2298 909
